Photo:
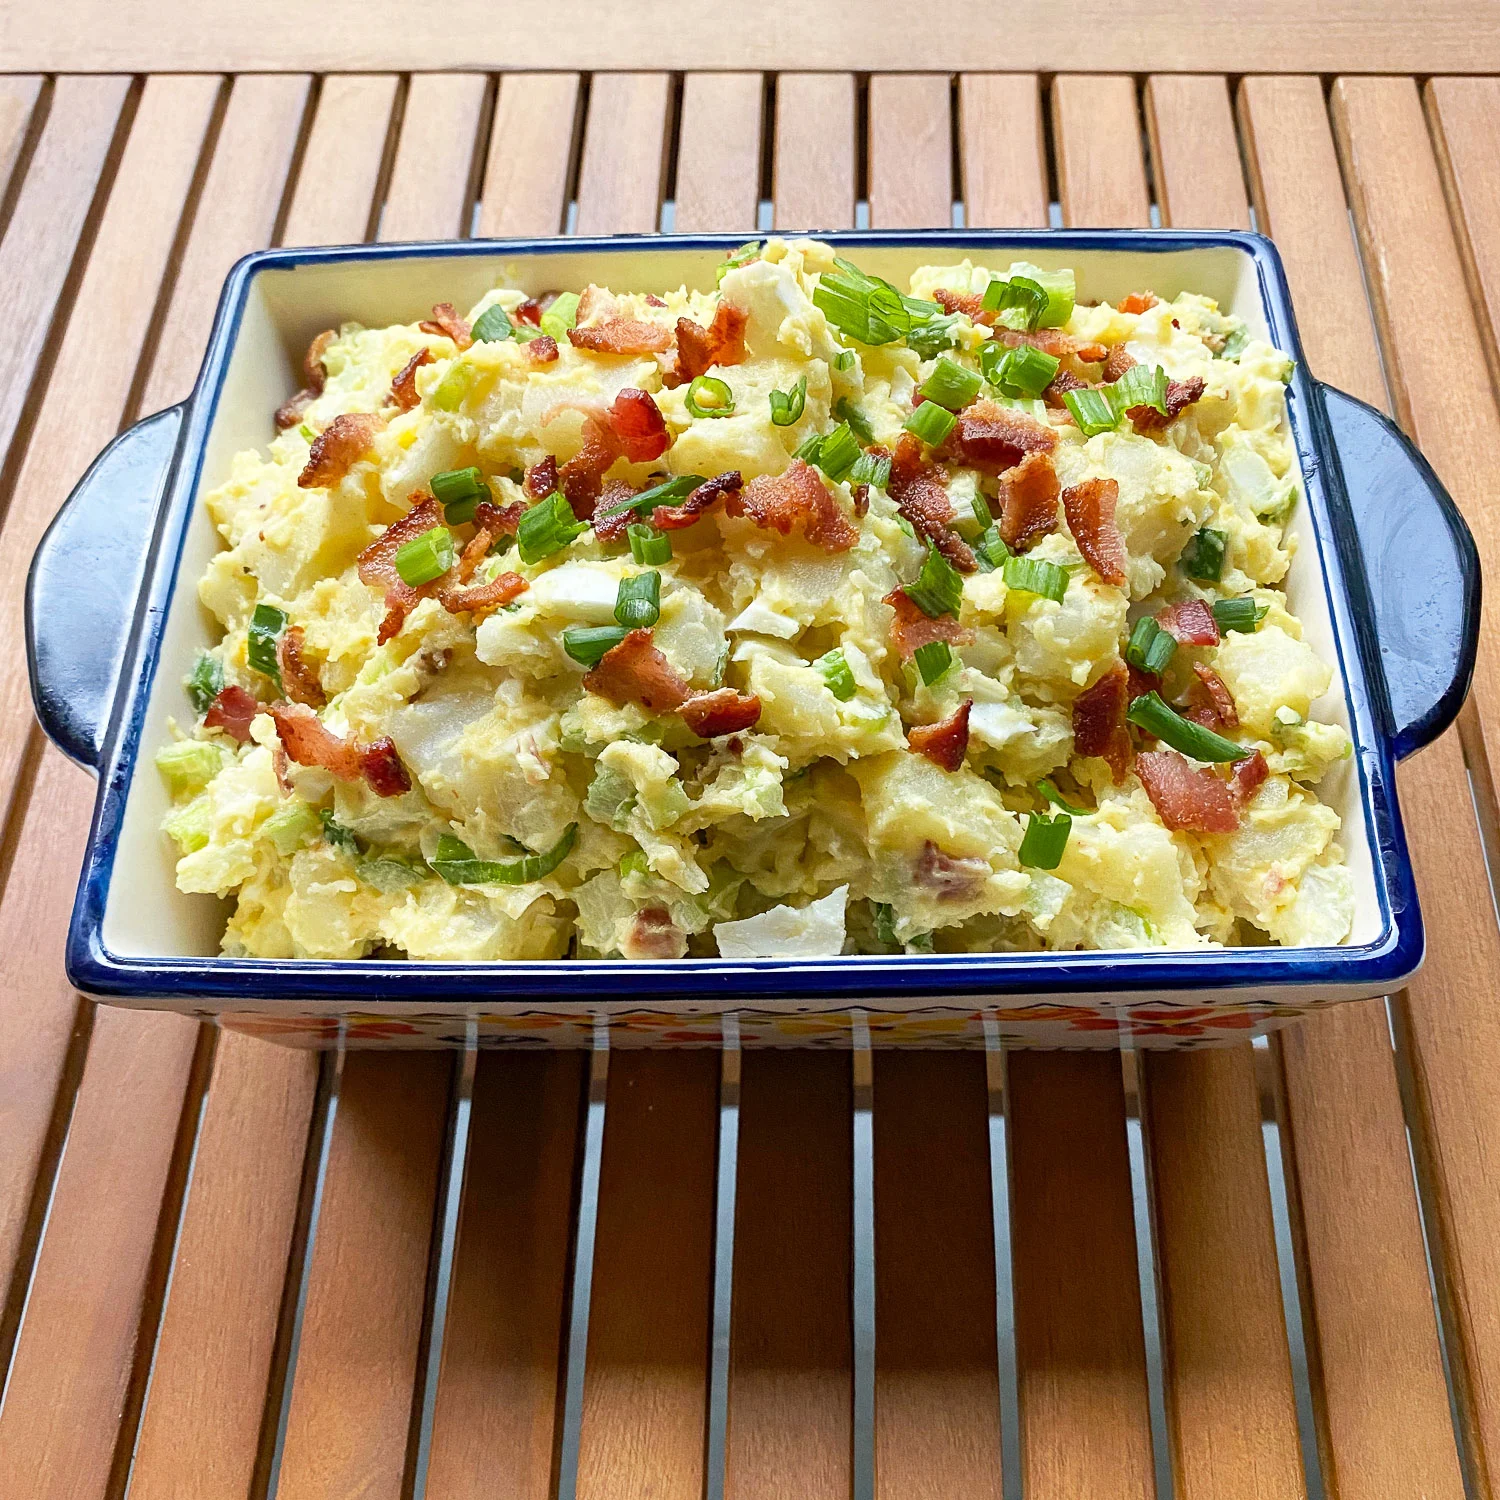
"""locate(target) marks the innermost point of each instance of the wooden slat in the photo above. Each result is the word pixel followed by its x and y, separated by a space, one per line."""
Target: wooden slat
pixel 718 151
pixel 1381 1399
pixel 1003 149
pixel 790 1383
pixel 911 151
pixel 494 1428
pixel 18 97
pixel 431 191
pixel 531 146
pixel 1448 1021
pixel 624 153
pixel 645 1391
pixel 1101 178
pixel 1231 1404
pixel 814 156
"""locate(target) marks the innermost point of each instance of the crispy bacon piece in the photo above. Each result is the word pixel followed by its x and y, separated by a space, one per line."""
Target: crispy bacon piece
pixel 1028 501
pixel 541 478
pixel 456 598
pixel 1090 509
pixel 1190 623
pixel 653 934
pixel 703 499
pixel 297 675
pixel 607 527
pixel 911 629
pixel 1186 797
pixel 542 350
pixel 530 311
pixel 290 412
pixel 1099 726
pixel 636 672
pixel 340 445
pixel 377 566
pixel 861 493
pixel 796 497
pixel 994 437
pixel 1058 344
pixel 1141 683
pixel 970 304
pixel 1220 700
pixel 1137 302
pixel 614 334
pixel 1180 395
pixel 951 878
pixel 310 742
pixel 722 711
pixel 699 348
pixel 922 497
pixel 382 768
pixel 446 322
pixel 945 743
pixel 582 476
pixel 652 300
pixel 232 712
pixel 1120 359
pixel 1062 382
pixel 637 422
pixel 404 384
pixel 1247 778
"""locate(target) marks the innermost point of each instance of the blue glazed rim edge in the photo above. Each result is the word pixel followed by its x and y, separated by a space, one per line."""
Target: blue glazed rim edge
pixel 1385 963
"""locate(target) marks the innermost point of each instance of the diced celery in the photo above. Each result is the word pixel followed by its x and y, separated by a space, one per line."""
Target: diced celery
pixel 610 798
pixel 292 826
pixel 390 875
pixel 189 825
pixel 189 765
pixel 449 393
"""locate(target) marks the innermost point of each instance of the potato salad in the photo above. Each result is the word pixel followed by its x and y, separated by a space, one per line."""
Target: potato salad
pixel 799 615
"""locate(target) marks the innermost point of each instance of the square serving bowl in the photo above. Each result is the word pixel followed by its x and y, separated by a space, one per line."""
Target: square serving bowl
pixel 1385 580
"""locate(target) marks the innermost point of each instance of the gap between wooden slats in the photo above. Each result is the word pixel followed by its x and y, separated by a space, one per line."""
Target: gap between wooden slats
pixel 1377 1381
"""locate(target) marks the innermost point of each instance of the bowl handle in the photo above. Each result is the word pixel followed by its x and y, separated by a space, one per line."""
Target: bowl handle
pixel 84 585
pixel 1421 569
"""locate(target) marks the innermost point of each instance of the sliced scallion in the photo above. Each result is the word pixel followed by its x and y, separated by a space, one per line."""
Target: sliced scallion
pixel 787 406
pixel 337 835
pixel 638 602
pixel 586 644
pixel 859 424
pixel 1019 372
pixel 1157 717
pixel 1234 343
pixel 843 360
pixel 939 589
pixel 809 448
pixel 459 492
pixel 838 452
pixel 741 257
pixel 1044 842
pixel 708 396
pixel 266 625
pixel 492 326
pixel 1092 411
pixel 547 527
pixel 425 557
pixel 1203 557
pixel 861 307
pixel 885 921
pixel 836 674
pixel 1241 615
pixel 1048 789
pixel 1020 301
pixel 871 470
pixel 669 492
pixel 456 863
pixel 1030 575
pixel 935 661
pixel 561 316
pixel 648 545
pixel 1150 647
pixel 931 422
pixel 205 682
pixel 951 385
pixel 1140 385
pixel 991 550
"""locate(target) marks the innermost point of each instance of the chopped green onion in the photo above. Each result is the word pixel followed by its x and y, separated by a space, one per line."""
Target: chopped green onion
pixel 1140 385
pixel 990 549
pixel 741 257
pixel 459 492
pixel 306 432
pixel 669 492
pixel 266 624
pixel 634 863
pixel 844 360
pixel 205 682
pixel 1159 718
pixel 1150 647
pixel 290 827
pixel 836 674
pixel 939 589
pixel 871 470
pixel 1030 575
pixel 979 507
pixel 838 452
pixel 1061 288
pixel 337 835
pixel 859 424
pixel 934 661
pixel 1046 838
pixel 648 545
pixel 1242 615
pixel 920 942
pixel 951 384
pixel 860 306
pixel 390 875
pixel 449 393
pixel 1092 411
pixel 708 396
pixel 809 448
pixel 561 316
pixel 638 602
pixel 547 527
pixel 189 765
pixel 1022 298
pixel 1048 789
pixel 786 406
pixel 931 422
pixel 1203 557
pixel 885 921
pixel 1019 372
pixel 931 329
pixel 1234 344
pixel 492 326
pixel 425 557
pixel 586 644
pixel 456 863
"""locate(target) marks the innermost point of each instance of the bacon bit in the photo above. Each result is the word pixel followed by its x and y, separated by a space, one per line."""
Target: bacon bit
pixel 994 437
pixel 340 445
pixel 478 597
pixel 861 493
pixel 723 711
pixel 652 300
pixel 1219 696
pixel 945 743
pixel 297 675
pixel 541 478
pixel 613 334
pixel 232 712
pixel 922 497
pixel 382 768
pixel 1028 501
pixel 1190 623
pixel 289 413
pixel 404 386
pixel 797 496
pixel 446 323
pixel 1090 509
pixel 702 500
pixel 970 304
pixel 490 524
pixel 699 348
pixel 1247 777
pixel 1186 797
pixel 1063 382
pixel 582 475
pixel 1141 683
pixel 1099 726
pixel 1058 344
pixel 1120 359
pixel 953 879
pixel 283 769
pixel 377 566
pixel 911 629
pixel 653 934
pixel 636 672
pixel 611 528
pixel 530 311
pixel 542 350
pixel 310 742
pixel 1137 302
pixel 1180 395
pixel 639 425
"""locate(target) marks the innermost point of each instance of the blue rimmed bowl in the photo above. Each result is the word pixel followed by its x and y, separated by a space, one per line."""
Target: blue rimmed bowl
pixel 1385 579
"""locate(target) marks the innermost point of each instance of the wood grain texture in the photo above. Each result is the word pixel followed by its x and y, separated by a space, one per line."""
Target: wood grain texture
pixel 937 1396
pixel 718 151
pixel 911 151
pixel 1380 1396
pixel 1195 153
pixel 645 1391
pixel 357 1361
pixel 432 181
pixel 1101 177
pixel 342 162
pixel 1003 149
pixel 525 188
pixel 495 1421
pixel 790 1379
pixel 813 178
pixel 1080 1350
pixel 18 99
pixel 624 153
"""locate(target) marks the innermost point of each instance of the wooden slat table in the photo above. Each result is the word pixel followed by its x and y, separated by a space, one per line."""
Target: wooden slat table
pixel 230 1270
